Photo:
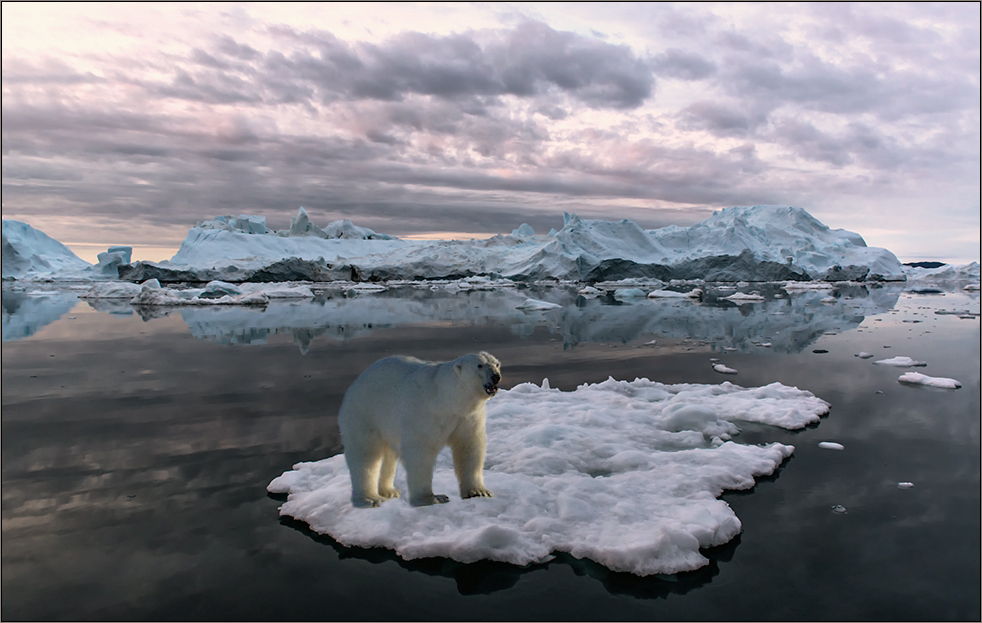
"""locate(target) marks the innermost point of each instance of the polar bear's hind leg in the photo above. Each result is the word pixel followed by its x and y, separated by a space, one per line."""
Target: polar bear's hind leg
pixel 419 461
pixel 364 464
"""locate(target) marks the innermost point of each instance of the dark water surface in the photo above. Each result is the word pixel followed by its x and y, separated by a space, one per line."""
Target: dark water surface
pixel 135 456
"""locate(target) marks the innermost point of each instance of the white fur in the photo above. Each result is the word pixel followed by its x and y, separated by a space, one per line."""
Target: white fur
pixel 404 408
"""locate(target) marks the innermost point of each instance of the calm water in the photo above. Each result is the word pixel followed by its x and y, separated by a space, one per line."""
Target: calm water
pixel 136 451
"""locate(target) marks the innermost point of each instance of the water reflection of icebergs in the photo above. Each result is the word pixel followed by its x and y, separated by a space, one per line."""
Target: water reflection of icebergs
pixel 787 324
pixel 24 314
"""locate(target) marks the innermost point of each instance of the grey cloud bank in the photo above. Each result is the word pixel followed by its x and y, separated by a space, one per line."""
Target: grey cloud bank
pixel 867 118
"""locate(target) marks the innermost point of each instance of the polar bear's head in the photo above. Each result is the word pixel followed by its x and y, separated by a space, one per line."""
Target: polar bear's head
pixel 483 369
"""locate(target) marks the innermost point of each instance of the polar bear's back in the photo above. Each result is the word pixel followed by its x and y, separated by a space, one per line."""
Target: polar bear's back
pixel 386 388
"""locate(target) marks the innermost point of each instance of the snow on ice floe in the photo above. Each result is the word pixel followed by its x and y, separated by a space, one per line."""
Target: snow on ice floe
pixel 831 445
pixel 916 378
pixel 624 473
pixel 901 362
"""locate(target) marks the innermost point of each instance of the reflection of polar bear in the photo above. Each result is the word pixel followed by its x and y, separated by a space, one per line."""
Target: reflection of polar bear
pixel 402 407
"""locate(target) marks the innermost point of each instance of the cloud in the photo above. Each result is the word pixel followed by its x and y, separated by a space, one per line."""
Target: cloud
pixel 672 111
pixel 527 61
pixel 675 63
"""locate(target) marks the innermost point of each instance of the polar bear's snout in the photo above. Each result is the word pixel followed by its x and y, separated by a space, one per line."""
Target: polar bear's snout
pixel 492 387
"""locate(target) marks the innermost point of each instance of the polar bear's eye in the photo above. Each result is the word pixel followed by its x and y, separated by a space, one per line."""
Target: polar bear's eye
pixel 480 365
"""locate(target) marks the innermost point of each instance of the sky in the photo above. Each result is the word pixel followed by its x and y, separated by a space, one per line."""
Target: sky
pixel 129 123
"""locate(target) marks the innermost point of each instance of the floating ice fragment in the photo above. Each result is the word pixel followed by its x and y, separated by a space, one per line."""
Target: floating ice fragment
pixel 916 378
pixel 901 362
pixel 672 294
pixel 113 290
pixel 864 355
pixel 628 293
pixel 905 485
pixel 722 369
pixel 537 305
pixel 741 297
pixel 368 287
pixel 590 291
pixel 839 509
pixel 831 445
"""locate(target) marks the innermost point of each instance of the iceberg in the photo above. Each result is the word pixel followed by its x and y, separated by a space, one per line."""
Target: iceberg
pixel 946 276
pixel 627 474
pixel 751 244
pixel 30 253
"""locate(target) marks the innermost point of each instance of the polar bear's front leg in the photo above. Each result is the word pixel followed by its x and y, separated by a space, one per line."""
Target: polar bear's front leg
pixel 386 481
pixel 469 444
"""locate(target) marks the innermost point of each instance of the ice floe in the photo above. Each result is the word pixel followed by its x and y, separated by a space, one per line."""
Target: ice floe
pixel 916 378
pixel 624 473
pixel 831 445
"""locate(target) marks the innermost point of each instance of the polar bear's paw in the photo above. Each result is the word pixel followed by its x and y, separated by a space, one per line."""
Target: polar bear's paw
pixel 476 492
pixel 366 502
pixel 430 500
pixel 388 494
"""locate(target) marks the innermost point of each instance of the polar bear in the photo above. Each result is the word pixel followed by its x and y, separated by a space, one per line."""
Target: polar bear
pixel 402 407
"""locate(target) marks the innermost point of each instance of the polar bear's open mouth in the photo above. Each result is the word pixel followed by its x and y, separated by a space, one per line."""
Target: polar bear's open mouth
pixel 491 389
